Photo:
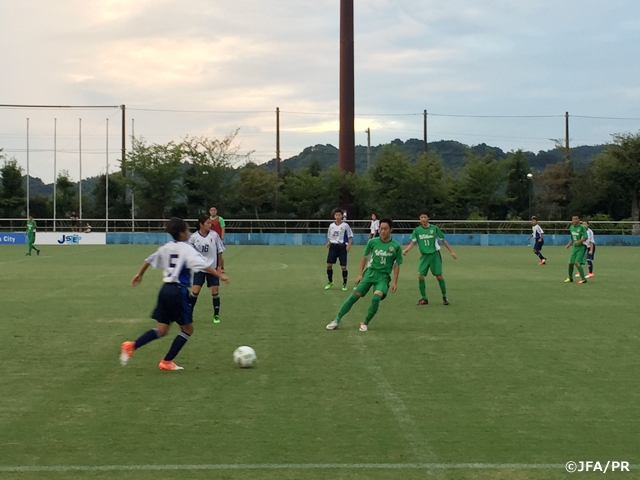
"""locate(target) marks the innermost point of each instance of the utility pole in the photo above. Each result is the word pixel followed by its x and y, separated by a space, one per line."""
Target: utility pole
pixel 566 136
pixel 368 131
pixel 424 132
pixel 123 140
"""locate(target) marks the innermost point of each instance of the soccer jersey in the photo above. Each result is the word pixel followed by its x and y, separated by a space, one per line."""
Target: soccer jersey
pixel 177 259
pixel 578 232
pixel 209 246
pixel 217 224
pixel 375 226
pixel 31 226
pixel 339 234
pixel 382 255
pixel 536 232
pixel 590 238
pixel 427 238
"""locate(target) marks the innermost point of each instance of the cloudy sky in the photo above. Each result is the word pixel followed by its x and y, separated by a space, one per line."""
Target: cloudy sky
pixel 501 72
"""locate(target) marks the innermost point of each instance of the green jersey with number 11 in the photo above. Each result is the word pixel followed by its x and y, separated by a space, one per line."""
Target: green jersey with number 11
pixel 382 255
pixel 427 238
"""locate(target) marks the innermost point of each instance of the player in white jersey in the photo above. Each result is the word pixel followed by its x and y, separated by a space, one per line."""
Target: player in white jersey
pixel 177 259
pixel 339 239
pixel 590 243
pixel 209 244
pixel 374 230
pixel 538 234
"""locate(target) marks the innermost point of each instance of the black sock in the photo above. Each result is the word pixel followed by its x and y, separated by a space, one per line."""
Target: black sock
pixel 193 298
pixel 146 337
pixel 176 346
pixel 345 274
pixel 216 304
pixel 590 263
pixel 330 274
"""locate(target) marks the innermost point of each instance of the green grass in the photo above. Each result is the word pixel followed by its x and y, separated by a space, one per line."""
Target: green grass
pixel 519 369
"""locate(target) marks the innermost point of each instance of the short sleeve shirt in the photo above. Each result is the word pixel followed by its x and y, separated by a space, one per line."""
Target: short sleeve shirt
pixel 427 238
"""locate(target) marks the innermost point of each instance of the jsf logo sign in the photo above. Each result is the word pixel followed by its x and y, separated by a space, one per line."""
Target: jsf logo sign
pixel 70 239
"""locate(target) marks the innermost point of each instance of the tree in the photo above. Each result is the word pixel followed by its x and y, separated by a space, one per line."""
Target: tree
pixel 156 171
pixel 256 186
pixel 209 178
pixel 519 187
pixel 119 207
pixel 555 182
pixel 622 164
pixel 12 194
pixel 304 192
pixel 391 176
pixel 483 179
pixel 65 194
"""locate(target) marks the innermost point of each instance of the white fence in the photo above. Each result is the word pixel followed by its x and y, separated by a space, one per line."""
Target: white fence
pixel 320 226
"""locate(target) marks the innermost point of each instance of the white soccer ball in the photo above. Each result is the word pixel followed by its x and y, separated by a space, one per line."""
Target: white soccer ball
pixel 245 357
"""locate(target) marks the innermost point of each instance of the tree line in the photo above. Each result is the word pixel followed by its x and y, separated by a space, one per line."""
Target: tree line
pixel 185 178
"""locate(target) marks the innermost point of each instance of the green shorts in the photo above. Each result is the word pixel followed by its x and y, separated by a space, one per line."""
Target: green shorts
pixel 379 281
pixel 578 255
pixel 431 261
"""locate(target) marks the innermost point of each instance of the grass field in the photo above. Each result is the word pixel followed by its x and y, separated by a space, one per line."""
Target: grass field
pixel 520 374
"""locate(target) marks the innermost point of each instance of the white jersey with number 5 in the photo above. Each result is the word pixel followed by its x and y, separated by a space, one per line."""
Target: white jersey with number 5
pixel 177 259
pixel 208 246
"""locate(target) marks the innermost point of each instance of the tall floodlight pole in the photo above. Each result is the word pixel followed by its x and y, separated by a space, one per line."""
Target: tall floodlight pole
pixel 347 149
pixel 80 165
pixel 55 169
pixel 28 182
pixel 106 184
pixel 133 193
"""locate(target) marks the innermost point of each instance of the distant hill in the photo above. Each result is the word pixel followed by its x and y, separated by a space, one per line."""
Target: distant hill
pixel 452 153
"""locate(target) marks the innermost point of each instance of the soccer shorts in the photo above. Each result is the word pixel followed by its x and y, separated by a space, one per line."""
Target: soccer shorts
pixel 212 280
pixel 591 255
pixel 538 246
pixel 578 255
pixel 173 305
pixel 431 261
pixel 379 281
pixel 337 251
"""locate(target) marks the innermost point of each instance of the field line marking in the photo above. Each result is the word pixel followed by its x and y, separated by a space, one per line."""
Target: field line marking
pixel 288 466
pixel 44 257
pixel 419 443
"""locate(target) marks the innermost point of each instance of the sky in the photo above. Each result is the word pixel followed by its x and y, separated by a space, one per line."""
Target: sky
pixel 500 72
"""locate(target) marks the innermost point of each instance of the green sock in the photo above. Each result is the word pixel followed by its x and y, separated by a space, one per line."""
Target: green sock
pixel 443 287
pixel 373 308
pixel 581 271
pixel 422 286
pixel 571 271
pixel 346 306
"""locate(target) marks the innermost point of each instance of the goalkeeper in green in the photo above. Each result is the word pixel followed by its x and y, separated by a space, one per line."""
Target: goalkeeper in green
pixel 382 256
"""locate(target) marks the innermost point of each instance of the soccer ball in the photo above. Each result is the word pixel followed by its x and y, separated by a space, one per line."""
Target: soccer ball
pixel 245 357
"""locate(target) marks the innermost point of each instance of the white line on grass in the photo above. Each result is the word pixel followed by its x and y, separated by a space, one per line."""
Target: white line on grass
pixel 418 442
pixel 290 466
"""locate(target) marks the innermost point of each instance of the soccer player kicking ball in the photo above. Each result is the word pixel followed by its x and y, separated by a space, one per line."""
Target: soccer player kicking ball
pixel 578 255
pixel 177 258
pixel 426 237
pixel 382 255
pixel 209 244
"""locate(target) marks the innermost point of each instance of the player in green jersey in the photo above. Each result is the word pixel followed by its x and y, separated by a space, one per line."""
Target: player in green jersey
pixel 426 237
pixel 382 255
pixel 578 255
pixel 31 235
